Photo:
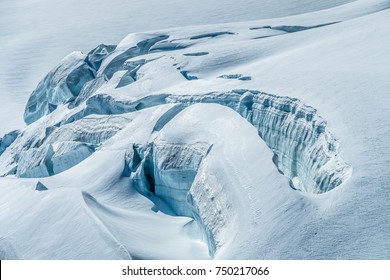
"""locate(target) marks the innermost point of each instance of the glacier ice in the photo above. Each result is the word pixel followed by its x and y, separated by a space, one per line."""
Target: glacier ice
pixel 35 162
pixel 7 140
pixel 62 84
pixel 51 159
pixel 304 149
pixel 184 136
pixel 45 151
pixel 40 187
pixel 166 170
pixel 92 129
pixel 95 57
pixel 68 154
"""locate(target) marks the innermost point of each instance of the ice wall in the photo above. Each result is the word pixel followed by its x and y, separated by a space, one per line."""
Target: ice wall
pixel 305 150
pixel 168 171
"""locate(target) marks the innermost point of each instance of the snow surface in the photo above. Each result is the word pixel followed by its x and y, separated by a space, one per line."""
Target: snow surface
pixel 262 139
pixel 36 34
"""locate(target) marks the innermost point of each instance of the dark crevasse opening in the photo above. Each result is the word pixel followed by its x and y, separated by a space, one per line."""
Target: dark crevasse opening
pixel 167 172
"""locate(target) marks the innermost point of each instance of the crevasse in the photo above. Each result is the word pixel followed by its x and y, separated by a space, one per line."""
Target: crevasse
pixel 169 171
pixel 305 151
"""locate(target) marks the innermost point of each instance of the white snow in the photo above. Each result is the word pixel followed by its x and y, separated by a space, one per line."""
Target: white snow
pixel 37 34
pixel 263 139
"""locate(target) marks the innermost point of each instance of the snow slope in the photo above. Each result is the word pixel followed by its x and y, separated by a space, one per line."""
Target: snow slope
pixel 263 139
pixel 36 34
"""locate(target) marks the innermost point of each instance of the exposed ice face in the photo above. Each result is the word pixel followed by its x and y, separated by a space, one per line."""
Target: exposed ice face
pixel 41 151
pixel 187 169
pixel 304 149
pixel 92 130
pixel 168 171
pixel 175 116
pixel 35 162
pixel 68 154
pixel 176 166
pixel 62 84
pixel 7 140
pixel 49 160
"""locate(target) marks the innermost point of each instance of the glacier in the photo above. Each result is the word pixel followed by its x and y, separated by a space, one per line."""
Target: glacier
pixel 260 139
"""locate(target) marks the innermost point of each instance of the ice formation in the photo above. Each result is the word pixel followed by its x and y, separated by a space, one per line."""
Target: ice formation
pixel 176 133
pixel 304 149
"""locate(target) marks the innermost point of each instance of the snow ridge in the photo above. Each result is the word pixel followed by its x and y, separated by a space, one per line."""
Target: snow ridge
pixel 305 151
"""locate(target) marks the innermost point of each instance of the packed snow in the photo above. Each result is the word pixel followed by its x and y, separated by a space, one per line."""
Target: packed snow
pixel 262 139
pixel 36 34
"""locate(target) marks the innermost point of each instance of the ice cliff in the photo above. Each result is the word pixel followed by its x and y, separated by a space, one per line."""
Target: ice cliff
pixel 74 111
pixel 210 139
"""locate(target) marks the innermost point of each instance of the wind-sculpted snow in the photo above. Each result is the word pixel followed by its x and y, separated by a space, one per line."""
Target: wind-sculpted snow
pixel 227 141
pixel 8 250
pixel 185 171
pixel 304 149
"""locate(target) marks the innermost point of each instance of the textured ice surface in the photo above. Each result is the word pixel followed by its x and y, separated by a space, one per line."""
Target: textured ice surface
pixel 226 141
pixel 62 84
pixel 51 159
pixel 68 154
pixel 7 140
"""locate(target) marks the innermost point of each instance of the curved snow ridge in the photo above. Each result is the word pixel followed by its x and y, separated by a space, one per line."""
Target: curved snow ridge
pixel 305 150
pixel 133 237
pixel 91 204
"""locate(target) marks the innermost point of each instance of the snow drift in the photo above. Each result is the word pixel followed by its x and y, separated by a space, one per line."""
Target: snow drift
pixel 216 139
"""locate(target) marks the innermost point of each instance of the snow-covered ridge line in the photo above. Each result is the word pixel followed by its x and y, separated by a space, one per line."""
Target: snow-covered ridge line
pixel 78 75
pixel 305 150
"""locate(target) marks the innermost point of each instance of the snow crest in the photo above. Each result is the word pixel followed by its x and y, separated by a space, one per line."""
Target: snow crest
pixel 197 152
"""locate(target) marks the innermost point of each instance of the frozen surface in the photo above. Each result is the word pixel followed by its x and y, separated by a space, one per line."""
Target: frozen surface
pixel 37 34
pixel 262 139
